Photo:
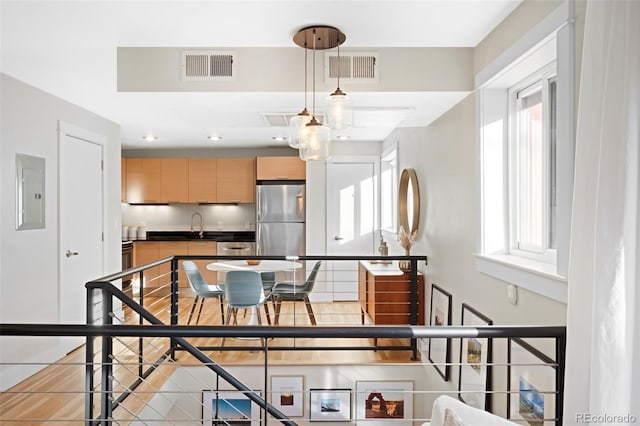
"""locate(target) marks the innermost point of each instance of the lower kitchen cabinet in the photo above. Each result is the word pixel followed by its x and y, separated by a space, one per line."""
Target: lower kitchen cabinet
pixel 149 251
pixel 146 252
pixel 204 248
pixel 168 249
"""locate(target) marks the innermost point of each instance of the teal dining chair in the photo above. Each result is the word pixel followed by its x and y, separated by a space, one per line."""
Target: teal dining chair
pixel 202 290
pixel 287 291
pixel 244 290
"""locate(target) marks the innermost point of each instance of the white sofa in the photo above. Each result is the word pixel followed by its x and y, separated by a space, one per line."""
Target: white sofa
pixel 448 411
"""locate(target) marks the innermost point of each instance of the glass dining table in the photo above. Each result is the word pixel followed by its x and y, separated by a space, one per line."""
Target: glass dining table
pixel 262 266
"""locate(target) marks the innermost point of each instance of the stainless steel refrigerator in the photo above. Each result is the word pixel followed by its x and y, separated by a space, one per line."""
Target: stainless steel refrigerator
pixel 280 217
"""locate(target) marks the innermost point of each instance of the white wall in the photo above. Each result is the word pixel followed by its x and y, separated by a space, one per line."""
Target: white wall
pixel 28 265
pixel 443 155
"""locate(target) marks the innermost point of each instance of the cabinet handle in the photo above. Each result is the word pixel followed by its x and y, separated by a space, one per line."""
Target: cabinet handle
pixel 282 177
pixel 149 201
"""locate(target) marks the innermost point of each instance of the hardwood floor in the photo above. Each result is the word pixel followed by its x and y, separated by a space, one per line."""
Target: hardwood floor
pixel 57 393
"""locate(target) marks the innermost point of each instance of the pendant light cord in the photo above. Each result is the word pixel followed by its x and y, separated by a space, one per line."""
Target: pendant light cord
pixel 306 68
pixel 339 63
pixel 314 73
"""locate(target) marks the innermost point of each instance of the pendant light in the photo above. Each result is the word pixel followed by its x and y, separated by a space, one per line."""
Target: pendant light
pixel 298 123
pixel 316 140
pixel 340 111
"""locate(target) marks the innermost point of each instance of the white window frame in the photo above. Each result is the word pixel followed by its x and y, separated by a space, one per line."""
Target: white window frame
pixel 539 81
pixel 551 39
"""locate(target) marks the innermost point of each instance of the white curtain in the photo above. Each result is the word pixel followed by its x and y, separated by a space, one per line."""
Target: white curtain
pixel 603 318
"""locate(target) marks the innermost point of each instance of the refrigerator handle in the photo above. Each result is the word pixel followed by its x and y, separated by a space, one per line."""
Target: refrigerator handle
pixel 258 242
pixel 257 207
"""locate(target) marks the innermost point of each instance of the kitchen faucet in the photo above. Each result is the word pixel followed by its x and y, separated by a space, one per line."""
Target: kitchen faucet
pixel 201 223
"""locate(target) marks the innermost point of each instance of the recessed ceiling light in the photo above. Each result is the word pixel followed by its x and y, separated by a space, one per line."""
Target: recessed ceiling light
pixel 279 138
pixel 150 138
pixel 214 138
pixel 343 137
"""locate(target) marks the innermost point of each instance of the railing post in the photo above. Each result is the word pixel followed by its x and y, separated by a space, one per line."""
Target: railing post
pixel 560 361
pixel 106 402
pixel 88 370
pixel 266 375
pixel 174 302
pixel 413 317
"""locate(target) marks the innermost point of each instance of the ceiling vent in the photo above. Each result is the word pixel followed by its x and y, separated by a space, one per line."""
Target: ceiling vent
pixel 352 66
pixel 201 65
pixel 282 119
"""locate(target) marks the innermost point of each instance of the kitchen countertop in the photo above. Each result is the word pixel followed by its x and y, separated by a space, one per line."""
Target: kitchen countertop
pixel 224 235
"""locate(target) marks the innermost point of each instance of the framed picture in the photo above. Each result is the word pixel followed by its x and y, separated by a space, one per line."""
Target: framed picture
pixel 330 405
pixel 474 383
pixel 439 349
pixel 287 394
pixel 229 408
pixel 531 385
pixel 384 402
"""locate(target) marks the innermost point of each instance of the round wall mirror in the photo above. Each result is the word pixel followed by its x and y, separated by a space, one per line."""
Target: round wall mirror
pixel 409 201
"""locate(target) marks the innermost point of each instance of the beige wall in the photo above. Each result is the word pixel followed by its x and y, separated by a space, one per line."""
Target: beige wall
pixel 511 29
pixel 444 157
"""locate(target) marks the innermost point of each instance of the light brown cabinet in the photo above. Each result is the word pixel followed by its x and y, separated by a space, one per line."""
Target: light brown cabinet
pixel 204 248
pixel 384 294
pixel 174 180
pixel 159 276
pixel 146 252
pixel 168 249
pixel 280 168
pixel 143 180
pixel 203 187
pixel 236 181
pixel 184 180
pixel 123 180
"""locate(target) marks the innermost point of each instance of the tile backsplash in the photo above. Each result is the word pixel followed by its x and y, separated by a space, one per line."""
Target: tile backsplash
pixel 177 217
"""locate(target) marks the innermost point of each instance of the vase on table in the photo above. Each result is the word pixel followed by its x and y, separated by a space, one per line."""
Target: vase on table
pixel 405 265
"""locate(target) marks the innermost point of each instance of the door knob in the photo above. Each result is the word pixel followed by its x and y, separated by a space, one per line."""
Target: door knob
pixel 70 253
pixel 338 238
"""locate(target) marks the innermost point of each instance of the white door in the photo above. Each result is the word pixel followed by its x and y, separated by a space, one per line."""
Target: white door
pixel 351 207
pixel 81 221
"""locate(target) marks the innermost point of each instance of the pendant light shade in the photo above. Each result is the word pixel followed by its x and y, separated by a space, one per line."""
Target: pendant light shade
pixel 339 110
pixel 317 142
pixel 298 128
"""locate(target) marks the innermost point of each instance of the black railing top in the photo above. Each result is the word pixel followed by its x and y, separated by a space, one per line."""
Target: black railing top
pixel 279 331
pixel 118 275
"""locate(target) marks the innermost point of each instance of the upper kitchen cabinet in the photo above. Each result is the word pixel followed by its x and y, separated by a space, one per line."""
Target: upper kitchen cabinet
pixel 174 180
pixel 143 180
pixel 236 180
pixel 203 179
pixel 280 168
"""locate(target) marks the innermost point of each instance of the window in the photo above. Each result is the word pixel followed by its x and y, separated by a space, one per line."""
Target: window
pixel 532 202
pixel 525 158
pixel 389 191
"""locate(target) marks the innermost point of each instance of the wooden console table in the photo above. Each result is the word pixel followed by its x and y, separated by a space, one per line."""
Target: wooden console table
pixel 384 293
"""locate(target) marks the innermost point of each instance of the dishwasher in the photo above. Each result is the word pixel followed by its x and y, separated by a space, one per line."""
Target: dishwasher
pixel 234 248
